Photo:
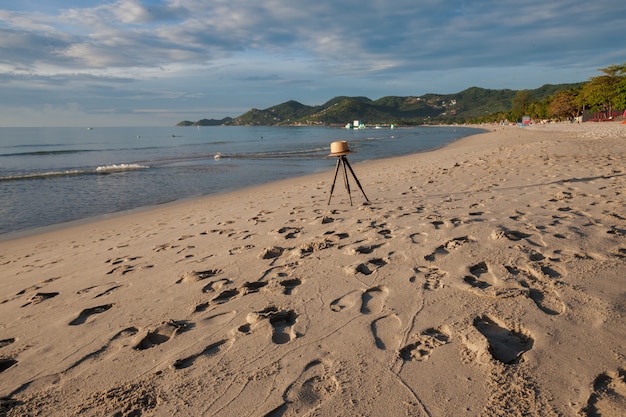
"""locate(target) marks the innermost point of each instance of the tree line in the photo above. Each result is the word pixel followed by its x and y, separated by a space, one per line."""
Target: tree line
pixel 603 94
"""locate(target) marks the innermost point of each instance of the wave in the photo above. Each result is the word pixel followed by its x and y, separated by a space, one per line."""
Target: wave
pixel 120 167
pixel 105 169
pixel 43 145
pixel 59 152
pixel 48 153
pixel 293 154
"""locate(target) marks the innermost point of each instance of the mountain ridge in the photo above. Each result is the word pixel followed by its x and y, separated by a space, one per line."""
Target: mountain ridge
pixel 430 108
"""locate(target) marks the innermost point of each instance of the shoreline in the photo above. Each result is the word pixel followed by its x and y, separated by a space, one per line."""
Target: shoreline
pixel 485 278
pixel 20 234
pixel 13 234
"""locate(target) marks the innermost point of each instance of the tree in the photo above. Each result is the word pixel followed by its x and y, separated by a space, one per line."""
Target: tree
pixel 564 104
pixel 603 93
pixel 539 109
pixel 519 104
pixel 620 95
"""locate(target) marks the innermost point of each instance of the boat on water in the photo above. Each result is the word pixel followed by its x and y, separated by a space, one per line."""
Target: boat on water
pixel 357 124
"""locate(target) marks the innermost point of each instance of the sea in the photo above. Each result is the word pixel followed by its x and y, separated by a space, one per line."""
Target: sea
pixel 50 176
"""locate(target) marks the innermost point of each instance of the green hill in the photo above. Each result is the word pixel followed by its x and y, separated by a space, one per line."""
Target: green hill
pixel 429 108
pixel 206 122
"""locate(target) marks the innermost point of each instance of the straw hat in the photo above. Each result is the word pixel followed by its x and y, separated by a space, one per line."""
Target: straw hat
pixel 339 148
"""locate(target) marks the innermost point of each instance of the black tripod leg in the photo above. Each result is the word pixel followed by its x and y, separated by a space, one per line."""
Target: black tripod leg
pixel 356 179
pixel 334 180
pixel 345 177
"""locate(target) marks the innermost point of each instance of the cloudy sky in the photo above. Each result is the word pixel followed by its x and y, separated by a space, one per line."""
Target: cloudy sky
pixel 157 62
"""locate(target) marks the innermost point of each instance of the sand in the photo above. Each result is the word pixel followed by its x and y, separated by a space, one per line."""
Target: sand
pixel 485 278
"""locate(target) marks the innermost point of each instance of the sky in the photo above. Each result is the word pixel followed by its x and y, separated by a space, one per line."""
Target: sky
pixel 158 62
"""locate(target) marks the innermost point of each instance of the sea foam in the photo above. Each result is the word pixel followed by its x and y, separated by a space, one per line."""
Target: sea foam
pixel 120 167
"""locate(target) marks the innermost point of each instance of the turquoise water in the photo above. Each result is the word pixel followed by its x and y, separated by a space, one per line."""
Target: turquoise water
pixel 54 175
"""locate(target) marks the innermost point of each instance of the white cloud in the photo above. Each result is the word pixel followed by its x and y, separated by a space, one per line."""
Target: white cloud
pixel 258 52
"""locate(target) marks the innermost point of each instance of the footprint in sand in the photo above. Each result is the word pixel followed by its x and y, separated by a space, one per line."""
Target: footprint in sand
pixel 252 287
pixel 6 363
pixel 108 291
pixel 336 236
pixel 195 276
pixel 360 269
pixel 315 385
pixel 479 269
pixel 93 287
pixel 476 283
pixel 240 249
pixel 480 286
pixel 162 334
pixel 164 247
pixel 309 248
pixel 119 340
pixel 448 246
pixel 290 232
pixel 117 261
pixel 199 308
pixel 491 287
pixel 418 238
pixel 433 277
pixel 215 285
pixel 228 294
pixel 260 218
pixel 368 267
pixel 88 312
pixel 30 289
pixel 363 249
pixel 512 235
pixel 325 219
pixel 225 296
pixel 282 322
pixel 6 342
pixel 425 343
pixel 289 285
pixel 609 395
pixel 211 350
pixel 386 332
pixel 539 290
pixel 620 253
pixel 40 297
pixel 123 267
pixel 372 300
pixel 346 302
pixel 271 253
pixel 546 301
pixel 505 345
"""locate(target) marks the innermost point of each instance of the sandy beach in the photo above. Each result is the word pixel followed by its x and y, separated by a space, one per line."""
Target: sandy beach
pixel 486 278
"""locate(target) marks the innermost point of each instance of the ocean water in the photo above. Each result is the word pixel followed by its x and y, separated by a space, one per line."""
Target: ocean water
pixel 54 175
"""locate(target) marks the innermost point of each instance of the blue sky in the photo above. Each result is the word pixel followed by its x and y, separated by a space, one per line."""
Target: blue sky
pixel 157 62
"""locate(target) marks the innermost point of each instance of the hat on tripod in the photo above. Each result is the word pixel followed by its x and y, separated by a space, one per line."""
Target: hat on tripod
pixel 339 148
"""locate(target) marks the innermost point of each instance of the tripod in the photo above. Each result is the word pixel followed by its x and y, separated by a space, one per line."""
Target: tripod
pixel 343 162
